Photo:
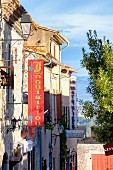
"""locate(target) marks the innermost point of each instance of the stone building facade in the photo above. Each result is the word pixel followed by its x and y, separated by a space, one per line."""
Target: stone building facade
pixel 14 148
pixel 69 103
pixel 48 49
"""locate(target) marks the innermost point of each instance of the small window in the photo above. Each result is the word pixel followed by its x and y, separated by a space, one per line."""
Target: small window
pixel 54 51
pixel 73 108
pixel 73 102
pixel 72 82
pixel 54 163
pixel 72 88
pixel 25 97
pixel 72 92
pixel 63 110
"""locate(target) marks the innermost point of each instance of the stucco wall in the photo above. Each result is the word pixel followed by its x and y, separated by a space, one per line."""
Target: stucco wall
pixel 11 103
pixel 84 152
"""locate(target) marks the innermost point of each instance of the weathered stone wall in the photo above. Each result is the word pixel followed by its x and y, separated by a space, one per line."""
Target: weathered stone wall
pixel 11 100
pixel 40 39
pixel 84 152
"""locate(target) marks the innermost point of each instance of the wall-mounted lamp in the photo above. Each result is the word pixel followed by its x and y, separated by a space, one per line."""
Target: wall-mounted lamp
pixel 51 144
pixel 73 152
pixel 60 128
pixel 12 124
pixel 26 24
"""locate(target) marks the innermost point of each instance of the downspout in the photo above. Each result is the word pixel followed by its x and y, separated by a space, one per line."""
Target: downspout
pixel 40 133
pixel 45 54
pixel 67 44
pixel 46 64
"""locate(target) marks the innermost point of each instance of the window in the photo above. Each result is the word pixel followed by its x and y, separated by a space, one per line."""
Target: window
pixel 54 163
pixel 54 50
pixel 63 110
pixel 73 108
pixel 72 82
pixel 73 120
pixel 72 96
pixel 25 97
pixel 72 92
pixel 59 106
pixel 72 88
pixel 47 101
pixel 72 101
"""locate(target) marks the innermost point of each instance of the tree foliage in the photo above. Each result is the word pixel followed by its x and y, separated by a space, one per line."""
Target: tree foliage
pixel 99 63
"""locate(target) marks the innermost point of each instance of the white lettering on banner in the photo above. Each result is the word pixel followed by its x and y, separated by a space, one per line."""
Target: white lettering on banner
pixel 108 149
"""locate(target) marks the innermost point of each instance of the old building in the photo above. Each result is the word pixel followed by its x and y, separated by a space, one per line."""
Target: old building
pixel 69 96
pixel 69 109
pixel 14 148
pixel 44 43
pixel 23 147
pixel 92 156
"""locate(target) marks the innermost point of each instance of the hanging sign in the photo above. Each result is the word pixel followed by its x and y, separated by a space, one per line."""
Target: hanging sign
pixel 108 148
pixel 36 93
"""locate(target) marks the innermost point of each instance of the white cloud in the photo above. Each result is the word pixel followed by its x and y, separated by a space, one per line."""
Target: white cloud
pixel 73 18
pixel 75 26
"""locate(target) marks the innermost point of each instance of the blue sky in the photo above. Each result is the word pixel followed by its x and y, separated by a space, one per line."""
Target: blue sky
pixel 73 18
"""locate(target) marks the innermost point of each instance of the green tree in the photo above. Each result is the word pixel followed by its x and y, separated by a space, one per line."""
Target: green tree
pixel 99 63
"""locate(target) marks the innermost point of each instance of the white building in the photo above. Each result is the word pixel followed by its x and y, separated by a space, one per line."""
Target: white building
pixel 73 103
pixel 69 94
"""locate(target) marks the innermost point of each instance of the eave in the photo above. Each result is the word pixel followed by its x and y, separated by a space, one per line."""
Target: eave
pixel 12 13
pixel 66 68
pixel 56 34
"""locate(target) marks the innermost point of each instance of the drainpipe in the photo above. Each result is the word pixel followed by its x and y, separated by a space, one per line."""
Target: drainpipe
pixel 46 64
pixel 40 133
pixel 67 44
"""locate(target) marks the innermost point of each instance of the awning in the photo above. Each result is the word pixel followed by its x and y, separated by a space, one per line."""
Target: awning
pixel 27 145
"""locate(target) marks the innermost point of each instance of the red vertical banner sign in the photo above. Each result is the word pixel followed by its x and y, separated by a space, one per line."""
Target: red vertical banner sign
pixel 35 93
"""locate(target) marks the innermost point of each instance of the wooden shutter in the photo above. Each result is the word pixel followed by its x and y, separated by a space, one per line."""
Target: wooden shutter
pixel 7 79
pixel 102 162
pixel 47 116
pixel 47 101
pixel 59 106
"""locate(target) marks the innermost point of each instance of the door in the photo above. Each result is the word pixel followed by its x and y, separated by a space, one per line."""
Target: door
pixel 102 162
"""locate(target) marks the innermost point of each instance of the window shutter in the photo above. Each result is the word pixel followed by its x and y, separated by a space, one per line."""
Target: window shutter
pixel 59 106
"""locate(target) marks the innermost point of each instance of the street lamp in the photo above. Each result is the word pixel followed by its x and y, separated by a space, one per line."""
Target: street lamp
pixel 25 27
pixel 60 128
pixel 51 145
pixel 71 154
pixel 19 122
pixel 26 24
pixel 12 124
